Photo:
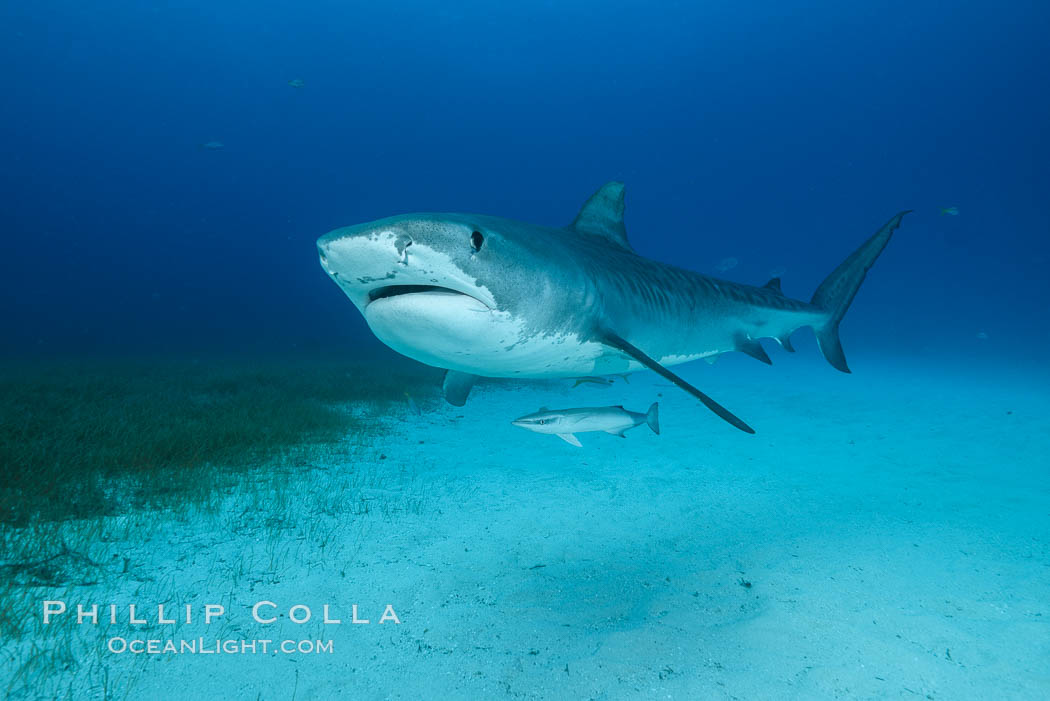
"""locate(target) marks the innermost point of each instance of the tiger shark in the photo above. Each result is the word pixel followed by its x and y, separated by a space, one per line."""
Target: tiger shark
pixel 484 296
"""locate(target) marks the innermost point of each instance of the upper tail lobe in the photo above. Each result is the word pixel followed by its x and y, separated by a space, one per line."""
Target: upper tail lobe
pixel 838 290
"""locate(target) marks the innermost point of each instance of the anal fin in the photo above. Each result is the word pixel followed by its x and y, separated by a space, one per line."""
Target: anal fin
pixel 615 341
pixel 746 344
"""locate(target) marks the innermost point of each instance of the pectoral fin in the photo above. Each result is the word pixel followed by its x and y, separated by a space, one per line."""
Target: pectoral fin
pixel 569 438
pixel 615 341
pixel 457 386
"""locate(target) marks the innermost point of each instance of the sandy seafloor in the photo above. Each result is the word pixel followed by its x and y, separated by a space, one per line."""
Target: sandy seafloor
pixel 894 526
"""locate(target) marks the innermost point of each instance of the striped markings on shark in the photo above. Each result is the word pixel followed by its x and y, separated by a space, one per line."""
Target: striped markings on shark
pixel 483 296
pixel 566 423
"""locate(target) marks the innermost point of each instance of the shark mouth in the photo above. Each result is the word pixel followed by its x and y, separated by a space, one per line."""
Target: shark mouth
pixel 389 291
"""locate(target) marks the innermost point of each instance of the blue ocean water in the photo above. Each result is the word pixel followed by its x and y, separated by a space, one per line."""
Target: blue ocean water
pixel 168 167
pixel 776 134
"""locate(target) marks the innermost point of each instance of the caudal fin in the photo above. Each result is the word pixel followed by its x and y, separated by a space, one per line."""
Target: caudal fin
pixel 838 290
pixel 652 417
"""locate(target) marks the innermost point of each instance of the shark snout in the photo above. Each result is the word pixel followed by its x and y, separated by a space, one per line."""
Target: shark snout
pixel 322 253
pixel 325 242
pixel 325 246
pixel 348 254
pixel 532 422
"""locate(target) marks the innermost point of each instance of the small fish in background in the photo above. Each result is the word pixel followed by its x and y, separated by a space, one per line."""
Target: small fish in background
pixel 213 146
pixel 982 335
pixel 565 423
pixel 727 264
pixel 412 406
pixel 297 83
pixel 950 211
pixel 602 381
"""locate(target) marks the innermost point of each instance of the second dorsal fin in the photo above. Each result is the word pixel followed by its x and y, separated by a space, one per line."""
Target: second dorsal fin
pixel 602 215
pixel 774 285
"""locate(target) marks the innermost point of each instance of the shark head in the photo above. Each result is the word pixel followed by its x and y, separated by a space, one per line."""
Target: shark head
pixel 459 291
pixel 415 257
pixel 543 421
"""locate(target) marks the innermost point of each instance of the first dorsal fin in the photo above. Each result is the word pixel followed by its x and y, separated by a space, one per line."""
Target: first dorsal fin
pixel 602 215
pixel 774 285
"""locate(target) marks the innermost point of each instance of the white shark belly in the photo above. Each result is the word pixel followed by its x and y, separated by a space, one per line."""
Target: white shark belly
pixel 457 332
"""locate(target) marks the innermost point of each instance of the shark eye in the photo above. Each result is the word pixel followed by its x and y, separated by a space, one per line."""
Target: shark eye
pixel 476 239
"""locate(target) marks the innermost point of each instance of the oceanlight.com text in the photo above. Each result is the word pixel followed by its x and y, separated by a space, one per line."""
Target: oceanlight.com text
pixel 201 646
